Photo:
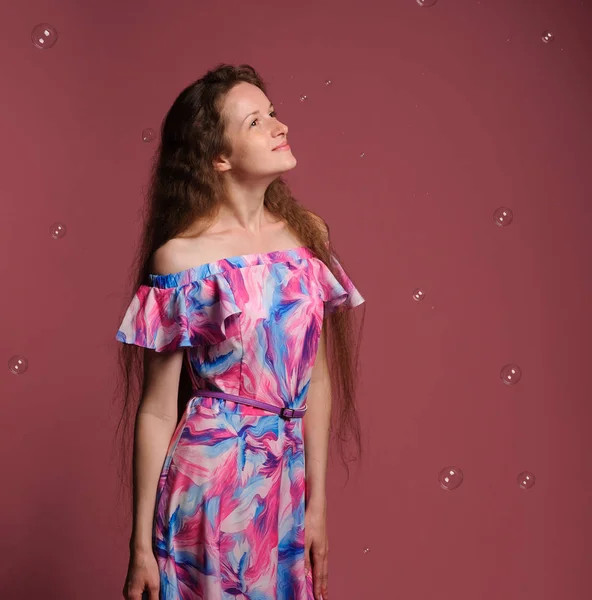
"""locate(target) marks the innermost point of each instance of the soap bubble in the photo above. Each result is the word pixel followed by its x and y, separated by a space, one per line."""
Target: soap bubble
pixel 148 134
pixel 511 374
pixel 503 216
pixel 526 480
pixel 18 364
pixel 57 230
pixel 44 36
pixel 418 294
pixel 547 37
pixel 450 478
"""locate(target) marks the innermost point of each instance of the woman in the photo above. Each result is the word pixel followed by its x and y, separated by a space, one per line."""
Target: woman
pixel 238 292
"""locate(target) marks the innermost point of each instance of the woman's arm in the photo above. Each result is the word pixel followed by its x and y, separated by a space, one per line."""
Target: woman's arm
pixel 316 429
pixel 318 414
pixel 156 420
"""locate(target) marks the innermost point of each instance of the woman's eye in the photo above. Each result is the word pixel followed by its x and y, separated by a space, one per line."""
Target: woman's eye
pixel 273 114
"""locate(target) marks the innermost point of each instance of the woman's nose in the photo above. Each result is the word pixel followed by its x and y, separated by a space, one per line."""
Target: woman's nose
pixel 281 128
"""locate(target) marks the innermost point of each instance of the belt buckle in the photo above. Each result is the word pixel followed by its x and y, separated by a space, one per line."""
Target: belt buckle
pixel 283 412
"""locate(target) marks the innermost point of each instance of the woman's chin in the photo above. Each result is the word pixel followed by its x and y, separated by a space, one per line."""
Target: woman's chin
pixel 291 161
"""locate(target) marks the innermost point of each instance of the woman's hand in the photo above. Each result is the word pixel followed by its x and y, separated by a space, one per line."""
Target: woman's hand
pixel 142 574
pixel 317 550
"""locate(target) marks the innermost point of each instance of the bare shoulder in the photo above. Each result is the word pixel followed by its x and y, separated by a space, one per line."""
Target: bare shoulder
pixel 169 258
pixel 321 223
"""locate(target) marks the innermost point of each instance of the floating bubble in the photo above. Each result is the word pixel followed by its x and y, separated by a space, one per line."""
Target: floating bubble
pixel 148 135
pixel 503 216
pixel 547 37
pixel 18 364
pixel 526 480
pixel 57 230
pixel 418 294
pixel 450 478
pixel 44 36
pixel 511 374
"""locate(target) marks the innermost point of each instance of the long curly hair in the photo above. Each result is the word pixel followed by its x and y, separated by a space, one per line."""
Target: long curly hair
pixel 185 189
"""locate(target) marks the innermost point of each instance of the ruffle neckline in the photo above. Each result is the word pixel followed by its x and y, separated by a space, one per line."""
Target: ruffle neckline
pixel 193 307
pixel 225 264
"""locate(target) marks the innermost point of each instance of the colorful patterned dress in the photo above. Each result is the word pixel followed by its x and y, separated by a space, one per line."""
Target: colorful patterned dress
pixel 229 514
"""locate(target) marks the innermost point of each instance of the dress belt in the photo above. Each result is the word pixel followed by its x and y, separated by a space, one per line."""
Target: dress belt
pixel 285 413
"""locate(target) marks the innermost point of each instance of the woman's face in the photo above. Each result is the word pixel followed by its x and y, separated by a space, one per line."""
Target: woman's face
pixel 254 133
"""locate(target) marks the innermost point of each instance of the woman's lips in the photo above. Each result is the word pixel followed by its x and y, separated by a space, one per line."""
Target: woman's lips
pixel 282 147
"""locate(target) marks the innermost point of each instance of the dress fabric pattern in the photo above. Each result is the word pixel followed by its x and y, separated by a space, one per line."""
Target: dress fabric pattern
pixel 230 501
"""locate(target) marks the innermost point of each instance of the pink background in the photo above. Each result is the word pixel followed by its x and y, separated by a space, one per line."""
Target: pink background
pixel 459 109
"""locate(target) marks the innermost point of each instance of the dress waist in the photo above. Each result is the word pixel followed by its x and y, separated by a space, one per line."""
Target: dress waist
pixel 285 413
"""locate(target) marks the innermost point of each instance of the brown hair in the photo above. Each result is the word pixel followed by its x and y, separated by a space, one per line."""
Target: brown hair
pixel 184 189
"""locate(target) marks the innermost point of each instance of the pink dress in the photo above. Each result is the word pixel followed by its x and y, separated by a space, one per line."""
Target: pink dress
pixel 230 502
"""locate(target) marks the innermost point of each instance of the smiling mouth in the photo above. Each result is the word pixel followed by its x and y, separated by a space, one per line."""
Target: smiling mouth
pixel 284 146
